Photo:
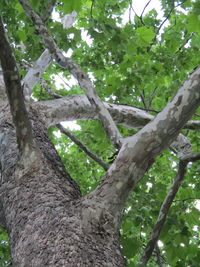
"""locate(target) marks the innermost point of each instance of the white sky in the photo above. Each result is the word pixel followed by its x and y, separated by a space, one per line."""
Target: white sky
pixel 138 6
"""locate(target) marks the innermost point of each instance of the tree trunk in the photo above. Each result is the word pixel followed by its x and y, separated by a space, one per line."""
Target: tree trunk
pixel 48 222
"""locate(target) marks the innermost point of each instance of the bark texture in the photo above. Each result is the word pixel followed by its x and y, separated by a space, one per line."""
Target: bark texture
pixel 48 222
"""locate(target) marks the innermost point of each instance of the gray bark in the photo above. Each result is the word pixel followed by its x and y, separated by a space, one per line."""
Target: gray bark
pixel 44 210
pixel 77 107
pixel 48 221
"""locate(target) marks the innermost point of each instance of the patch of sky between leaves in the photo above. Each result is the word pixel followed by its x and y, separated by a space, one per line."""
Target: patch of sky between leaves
pixel 61 81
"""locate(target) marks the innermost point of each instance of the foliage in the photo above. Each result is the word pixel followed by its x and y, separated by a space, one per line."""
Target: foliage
pixel 136 63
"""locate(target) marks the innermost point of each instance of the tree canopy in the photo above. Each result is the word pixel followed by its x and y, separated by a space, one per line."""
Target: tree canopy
pixel 139 63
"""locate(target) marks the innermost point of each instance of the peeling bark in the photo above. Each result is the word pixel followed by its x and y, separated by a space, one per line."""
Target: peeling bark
pixel 77 107
pixel 139 151
pixel 34 73
pixel 48 221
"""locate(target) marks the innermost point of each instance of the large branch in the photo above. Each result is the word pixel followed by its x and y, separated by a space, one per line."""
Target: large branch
pixel 15 94
pixel 139 151
pixel 192 125
pixel 75 70
pixel 33 75
pixel 166 206
pixel 39 67
pixel 77 107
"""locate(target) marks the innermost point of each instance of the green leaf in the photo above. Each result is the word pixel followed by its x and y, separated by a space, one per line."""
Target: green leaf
pixel 72 5
pixel 147 34
pixel 130 246
pixel 22 35
pixel 193 23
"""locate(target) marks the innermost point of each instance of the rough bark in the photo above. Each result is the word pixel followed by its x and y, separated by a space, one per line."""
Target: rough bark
pixel 43 210
pixel 48 221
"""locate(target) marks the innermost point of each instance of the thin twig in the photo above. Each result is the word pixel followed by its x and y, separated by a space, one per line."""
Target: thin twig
pixel 197 115
pixel 185 42
pixel 152 97
pixel 83 80
pixel 142 95
pixel 166 206
pixel 186 199
pixel 140 18
pixel 129 11
pixel 162 23
pixel 91 9
pixel 83 147
pixel 64 81
pixel 48 89
pixel 145 8
pixel 158 256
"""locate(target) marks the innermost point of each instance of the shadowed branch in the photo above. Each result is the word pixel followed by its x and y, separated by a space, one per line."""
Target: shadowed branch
pixel 166 206
pixel 15 94
pixel 83 147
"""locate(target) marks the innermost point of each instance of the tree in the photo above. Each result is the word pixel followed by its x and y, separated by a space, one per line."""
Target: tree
pixel 139 143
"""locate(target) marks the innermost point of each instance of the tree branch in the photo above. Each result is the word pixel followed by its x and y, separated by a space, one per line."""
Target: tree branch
pixel 158 256
pixel 145 8
pixel 139 151
pixel 48 89
pixel 77 107
pixel 83 147
pixel 186 199
pixel 74 69
pixel 33 75
pixel 166 206
pixel 139 17
pixel 160 26
pixel 71 136
pixel 49 11
pixel 15 94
